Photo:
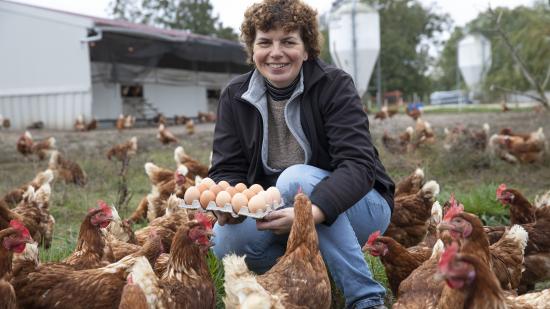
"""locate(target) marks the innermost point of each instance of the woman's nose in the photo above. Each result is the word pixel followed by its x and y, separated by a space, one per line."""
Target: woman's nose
pixel 276 50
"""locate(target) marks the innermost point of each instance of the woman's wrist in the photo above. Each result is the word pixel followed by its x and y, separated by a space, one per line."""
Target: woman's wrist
pixel 318 215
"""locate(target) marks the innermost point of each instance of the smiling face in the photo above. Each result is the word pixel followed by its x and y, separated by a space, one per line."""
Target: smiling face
pixel 279 55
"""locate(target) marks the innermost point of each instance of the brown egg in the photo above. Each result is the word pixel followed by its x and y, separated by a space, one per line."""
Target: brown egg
pixel 206 197
pixel 239 200
pixel 223 198
pixel 231 190
pixel 256 188
pixel 240 187
pixel 224 184
pixel 273 195
pixel 249 193
pixel 202 187
pixel 191 194
pixel 256 203
pixel 215 189
pixel 208 181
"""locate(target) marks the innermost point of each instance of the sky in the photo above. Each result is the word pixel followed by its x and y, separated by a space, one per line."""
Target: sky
pixel 231 11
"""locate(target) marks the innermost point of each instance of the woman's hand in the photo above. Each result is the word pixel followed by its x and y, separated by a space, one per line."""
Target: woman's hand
pixel 226 218
pixel 280 221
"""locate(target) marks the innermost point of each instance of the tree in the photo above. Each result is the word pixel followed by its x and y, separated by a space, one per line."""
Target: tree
pixel 407 31
pixel 193 15
pixel 526 30
pixel 446 75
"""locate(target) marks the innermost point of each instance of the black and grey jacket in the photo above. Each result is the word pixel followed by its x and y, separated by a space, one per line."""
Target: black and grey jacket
pixel 333 130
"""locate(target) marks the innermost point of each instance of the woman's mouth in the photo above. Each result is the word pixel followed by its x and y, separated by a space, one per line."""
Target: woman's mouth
pixel 278 65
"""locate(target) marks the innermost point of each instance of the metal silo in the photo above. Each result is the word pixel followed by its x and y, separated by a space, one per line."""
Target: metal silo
pixel 354 40
pixel 474 60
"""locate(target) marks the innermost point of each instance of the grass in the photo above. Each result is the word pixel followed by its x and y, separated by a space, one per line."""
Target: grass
pixel 472 175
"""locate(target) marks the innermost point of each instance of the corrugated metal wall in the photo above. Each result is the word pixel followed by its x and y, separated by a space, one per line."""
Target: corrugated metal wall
pixel 56 110
pixel 44 66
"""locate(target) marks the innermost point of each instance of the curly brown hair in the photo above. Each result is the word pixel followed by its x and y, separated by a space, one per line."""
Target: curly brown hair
pixel 290 15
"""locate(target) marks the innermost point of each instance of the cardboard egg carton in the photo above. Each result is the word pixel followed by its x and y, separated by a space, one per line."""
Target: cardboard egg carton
pixel 226 208
pixel 196 205
pixel 212 206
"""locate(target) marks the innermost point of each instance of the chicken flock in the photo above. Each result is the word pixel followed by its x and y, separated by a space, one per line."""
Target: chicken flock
pixel 435 255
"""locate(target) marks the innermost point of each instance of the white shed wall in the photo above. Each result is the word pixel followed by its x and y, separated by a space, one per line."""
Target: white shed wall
pixel 45 73
pixel 107 103
pixel 176 100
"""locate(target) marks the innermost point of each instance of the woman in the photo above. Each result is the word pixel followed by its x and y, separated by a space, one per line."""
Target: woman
pixel 296 121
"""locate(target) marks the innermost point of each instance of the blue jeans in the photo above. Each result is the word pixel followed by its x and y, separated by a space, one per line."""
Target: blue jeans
pixel 340 244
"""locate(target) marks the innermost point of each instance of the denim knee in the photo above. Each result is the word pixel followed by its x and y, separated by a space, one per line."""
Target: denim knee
pixel 302 176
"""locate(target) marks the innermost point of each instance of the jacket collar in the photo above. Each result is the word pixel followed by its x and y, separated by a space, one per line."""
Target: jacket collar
pixel 312 71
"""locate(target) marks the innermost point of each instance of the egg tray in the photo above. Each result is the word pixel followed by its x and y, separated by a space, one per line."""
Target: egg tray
pixel 229 209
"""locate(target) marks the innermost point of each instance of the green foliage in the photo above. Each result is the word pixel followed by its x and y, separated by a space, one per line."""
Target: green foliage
pixel 193 15
pixel 528 30
pixel 407 30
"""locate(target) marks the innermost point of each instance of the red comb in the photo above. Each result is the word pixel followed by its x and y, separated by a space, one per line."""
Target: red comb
pixel 204 220
pixel 452 200
pixel 105 208
pixel 454 210
pixel 16 224
pixel 448 255
pixel 501 189
pixel 373 237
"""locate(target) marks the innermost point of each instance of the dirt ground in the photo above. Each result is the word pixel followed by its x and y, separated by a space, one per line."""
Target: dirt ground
pixel 94 140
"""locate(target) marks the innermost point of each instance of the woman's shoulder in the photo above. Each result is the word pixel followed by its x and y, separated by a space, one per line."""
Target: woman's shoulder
pixel 239 82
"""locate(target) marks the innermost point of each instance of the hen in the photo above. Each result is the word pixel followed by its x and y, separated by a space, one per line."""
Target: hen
pixel 34 212
pixel 165 136
pixel 471 284
pixel 79 123
pixel 123 151
pixel 24 144
pixel 12 239
pixel 15 196
pixel 133 296
pixel 165 226
pixel 298 280
pixel 409 221
pixel 120 122
pixel 519 149
pixel 399 144
pixel 43 148
pixel 67 170
pixel 419 290
pixel 410 184
pixel 505 257
pixel 91 250
pixel 521 210
pixel 190 127
pixel 51 286
pixel 195 167
pixel 4 122
pixel 398 261
pixel 187 281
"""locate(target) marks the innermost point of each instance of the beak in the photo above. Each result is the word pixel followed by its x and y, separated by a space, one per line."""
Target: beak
pixel 438 277
pixel 445 226
pixel 366 248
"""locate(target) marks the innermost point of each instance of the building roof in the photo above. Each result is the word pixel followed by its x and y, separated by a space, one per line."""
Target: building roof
pixel 131 43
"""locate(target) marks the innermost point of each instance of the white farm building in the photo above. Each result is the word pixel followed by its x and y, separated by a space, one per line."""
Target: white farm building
pixel 57 65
